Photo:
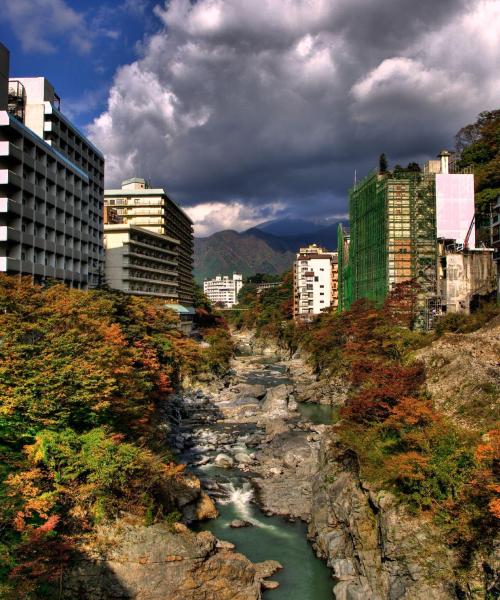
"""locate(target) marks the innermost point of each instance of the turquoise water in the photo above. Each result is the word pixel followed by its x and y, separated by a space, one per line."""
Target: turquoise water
pixel 304 576
pixel 319 413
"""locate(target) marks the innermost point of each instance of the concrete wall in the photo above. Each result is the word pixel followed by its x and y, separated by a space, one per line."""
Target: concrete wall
pixel 468 275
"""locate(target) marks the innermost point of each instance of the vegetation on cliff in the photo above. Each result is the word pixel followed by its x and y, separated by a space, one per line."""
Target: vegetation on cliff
pixel 403 442
pixel 81 374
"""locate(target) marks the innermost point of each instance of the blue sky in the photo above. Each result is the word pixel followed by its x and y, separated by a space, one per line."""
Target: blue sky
pixel 249 110
pixel 80 54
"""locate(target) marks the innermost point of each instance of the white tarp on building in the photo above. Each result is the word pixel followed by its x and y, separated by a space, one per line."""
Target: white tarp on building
pixel 455 207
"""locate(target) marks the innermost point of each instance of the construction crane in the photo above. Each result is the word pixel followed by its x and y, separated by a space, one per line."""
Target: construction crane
pixel 467 237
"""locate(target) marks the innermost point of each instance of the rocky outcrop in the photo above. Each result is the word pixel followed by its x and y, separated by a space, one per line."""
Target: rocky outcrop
pixel 463 375
pixel 376 549
pixel 156 563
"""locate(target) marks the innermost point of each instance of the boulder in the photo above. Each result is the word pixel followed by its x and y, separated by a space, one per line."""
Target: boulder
pixel 224 460
pixel 127 562
pixel 243 458
pixel 239 523
pixel 275 403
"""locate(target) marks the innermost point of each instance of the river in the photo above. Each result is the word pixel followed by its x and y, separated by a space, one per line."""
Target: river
pixel 304 576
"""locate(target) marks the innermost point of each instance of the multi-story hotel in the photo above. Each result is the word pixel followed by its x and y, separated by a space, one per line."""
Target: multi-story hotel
pixel 152 209
pixel 51 187
pixel 315 282
pixel 223 290
pixel 141 262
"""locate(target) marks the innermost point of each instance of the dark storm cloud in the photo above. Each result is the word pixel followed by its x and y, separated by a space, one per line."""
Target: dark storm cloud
pixel 245 109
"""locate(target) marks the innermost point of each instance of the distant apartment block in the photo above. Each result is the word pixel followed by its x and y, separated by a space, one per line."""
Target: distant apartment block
pixel 141 262
pixel 223 290
pixel 151 208
pixel 51 187
pixel 315 282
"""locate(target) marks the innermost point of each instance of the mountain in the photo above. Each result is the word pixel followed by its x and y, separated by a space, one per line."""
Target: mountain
pixel 289 227
pixel 257 250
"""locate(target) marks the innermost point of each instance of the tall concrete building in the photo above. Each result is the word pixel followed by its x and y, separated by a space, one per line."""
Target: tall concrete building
pixel 407 226
pixel 314 281
pixel 151 208
pixel 51 187
pixel 223 289
pixel 141 262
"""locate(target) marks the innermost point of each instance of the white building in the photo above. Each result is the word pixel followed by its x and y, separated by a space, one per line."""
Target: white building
pixel 315 285
pixel 152 209
pixel 51 187
pixel 141 262
pixel 223 290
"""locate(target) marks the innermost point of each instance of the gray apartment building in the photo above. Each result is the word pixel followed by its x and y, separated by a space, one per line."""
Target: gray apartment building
pixel 152 209
pixel 51 187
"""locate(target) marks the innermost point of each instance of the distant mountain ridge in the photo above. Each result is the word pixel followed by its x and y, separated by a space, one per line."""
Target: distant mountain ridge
pixel 258 250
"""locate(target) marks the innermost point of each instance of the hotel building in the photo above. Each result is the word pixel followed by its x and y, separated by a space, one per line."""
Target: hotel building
pixel 315 282
pixel 223 290
pixel 51 187
pixel 151 209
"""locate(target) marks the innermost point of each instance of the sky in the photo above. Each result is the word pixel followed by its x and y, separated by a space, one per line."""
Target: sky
pixel 247 111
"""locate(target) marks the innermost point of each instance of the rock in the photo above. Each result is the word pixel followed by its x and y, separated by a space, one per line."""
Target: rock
pixel 124 562
pixel 270 585
pixel 243 458
pixel 205 508
pixel 249 389
pixel 375 548
pixel 223 545
pixel 224 460
pixel 274 427
pixel 239 523
pixel 275 403
pixel 267 568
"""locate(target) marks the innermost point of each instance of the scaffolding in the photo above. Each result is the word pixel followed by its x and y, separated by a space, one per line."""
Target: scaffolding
pixel 393 240
pixel 344 277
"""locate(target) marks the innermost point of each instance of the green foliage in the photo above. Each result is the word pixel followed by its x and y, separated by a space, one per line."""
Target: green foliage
pixel 80 375
pixel 463 323
pixel 269 312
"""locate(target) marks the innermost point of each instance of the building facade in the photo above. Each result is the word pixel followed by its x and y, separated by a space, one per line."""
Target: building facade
pixel 151 208
pixel 466 277
pixel 51 188
pixel 141 262
pixel 314 282
pixel 223 290
pixel 343 268
pixel 396 220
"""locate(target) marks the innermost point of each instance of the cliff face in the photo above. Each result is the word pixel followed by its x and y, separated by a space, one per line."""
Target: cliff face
pixel 375 549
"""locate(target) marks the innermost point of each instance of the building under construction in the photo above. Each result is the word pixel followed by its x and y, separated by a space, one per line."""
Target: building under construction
pixel 409 225
pixel 392 240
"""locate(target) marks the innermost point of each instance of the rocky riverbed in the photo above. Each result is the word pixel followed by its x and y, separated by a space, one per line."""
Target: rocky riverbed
pixel 263 454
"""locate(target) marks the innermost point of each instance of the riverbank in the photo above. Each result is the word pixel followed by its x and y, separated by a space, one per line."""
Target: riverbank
pixel 229 435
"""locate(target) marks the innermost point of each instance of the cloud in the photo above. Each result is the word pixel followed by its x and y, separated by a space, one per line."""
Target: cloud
pixel 215 216
pixel 36 23
pixel 279 101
